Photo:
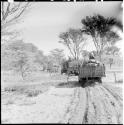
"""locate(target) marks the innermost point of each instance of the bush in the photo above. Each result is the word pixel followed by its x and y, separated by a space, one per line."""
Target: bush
pixel 10 89
pixel 10 102
pixel 120 81
pixel 33 93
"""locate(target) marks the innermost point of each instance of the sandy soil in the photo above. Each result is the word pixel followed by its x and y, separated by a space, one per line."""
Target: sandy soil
pixel 98 104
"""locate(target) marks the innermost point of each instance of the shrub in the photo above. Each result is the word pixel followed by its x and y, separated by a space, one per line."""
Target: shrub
pixel 10 89
pixel 10 102
pixel 120 81
pixel 33 93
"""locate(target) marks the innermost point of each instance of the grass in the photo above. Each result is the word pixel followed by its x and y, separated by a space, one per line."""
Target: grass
pixel 16 91
pixel 28 90
pixel 39 82
pixel 33 93
pixel 11 78
pixel 36 84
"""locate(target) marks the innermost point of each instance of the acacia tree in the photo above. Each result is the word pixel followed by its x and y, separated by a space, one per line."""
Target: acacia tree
pixel 73 39
pixel 14 58
pixel 99 28
pixel 10 15
pixel 20 63
pixel 19 57
pixel 57 55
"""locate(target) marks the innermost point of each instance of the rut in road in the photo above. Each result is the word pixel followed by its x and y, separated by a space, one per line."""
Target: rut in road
pixel 102 105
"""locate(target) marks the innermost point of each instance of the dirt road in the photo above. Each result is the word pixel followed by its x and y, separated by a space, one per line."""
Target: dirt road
pixel 98 104
pixel 103 106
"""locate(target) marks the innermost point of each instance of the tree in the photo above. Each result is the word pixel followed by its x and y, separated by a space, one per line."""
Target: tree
pixel 20 63
pixel 41 59
pixel 111 52
pixel 50 63
pixel 20 57
pixel 15 60
pixel 10 15
pixel 73 39
pixel 31 48
pixel 99 27
pixel 57 55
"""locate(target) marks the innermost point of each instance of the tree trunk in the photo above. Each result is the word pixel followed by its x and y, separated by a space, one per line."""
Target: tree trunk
pixel 100 58
pixel 110 65
pixel 22 74
pixel 115 77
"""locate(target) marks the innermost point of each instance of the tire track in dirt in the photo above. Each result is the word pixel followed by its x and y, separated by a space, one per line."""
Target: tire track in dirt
pixel 77 109
pixel 85 118
pixel 96 104
pixel 100 112
pixel 91 110
pixel 115 103
pixel 101 106
pixel 71 108
pixel 81 107
pixel 110 113
pixel 98 107
pixel 94 113
pixel 114 94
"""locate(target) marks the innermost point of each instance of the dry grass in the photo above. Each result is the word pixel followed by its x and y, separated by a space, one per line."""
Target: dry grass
pixel 39 82
pixel 34 85
pixel 24 99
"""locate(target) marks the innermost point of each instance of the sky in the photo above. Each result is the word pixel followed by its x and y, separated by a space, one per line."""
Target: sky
pixel 44 21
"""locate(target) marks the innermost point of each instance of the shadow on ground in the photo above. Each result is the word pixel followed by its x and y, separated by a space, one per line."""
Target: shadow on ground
pixel 73 84
pixel 70 84
pixel 90 84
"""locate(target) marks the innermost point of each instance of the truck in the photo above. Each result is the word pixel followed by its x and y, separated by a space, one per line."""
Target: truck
pixel 70 68
pixel 91 71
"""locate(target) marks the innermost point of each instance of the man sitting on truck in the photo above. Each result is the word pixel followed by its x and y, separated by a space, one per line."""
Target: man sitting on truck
pixel 92 59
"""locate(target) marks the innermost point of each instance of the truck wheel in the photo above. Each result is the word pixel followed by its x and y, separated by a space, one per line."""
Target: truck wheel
pixel 79 80
pixel 100 80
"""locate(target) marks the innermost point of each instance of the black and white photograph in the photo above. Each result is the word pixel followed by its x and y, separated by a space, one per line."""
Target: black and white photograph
pixel 62 62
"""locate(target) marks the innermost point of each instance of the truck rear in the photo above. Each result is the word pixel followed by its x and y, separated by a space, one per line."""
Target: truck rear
pixel 91 71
